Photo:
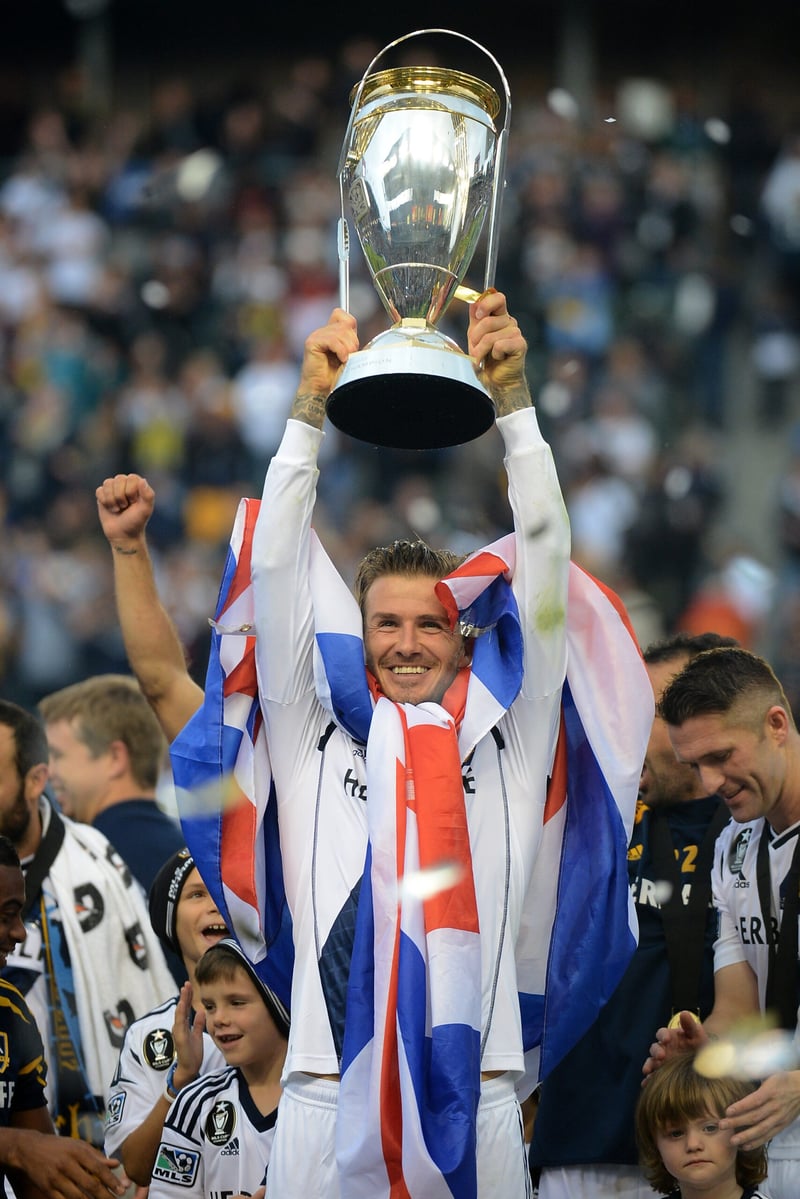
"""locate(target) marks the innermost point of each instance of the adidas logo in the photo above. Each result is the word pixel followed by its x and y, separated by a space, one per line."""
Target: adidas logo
pixel 231 1149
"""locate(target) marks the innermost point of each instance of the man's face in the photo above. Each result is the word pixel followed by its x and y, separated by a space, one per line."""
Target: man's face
pixel 664 779
pixel 410 647
pixel 78 779
pixel 15 800
pixel 746 766
pixel 12 901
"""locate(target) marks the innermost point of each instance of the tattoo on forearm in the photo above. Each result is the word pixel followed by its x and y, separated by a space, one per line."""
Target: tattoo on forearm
pixel 513 400
pixel 126 551
pixel 309 407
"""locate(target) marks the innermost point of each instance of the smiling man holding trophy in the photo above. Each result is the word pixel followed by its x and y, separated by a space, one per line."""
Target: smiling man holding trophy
pixel 454 752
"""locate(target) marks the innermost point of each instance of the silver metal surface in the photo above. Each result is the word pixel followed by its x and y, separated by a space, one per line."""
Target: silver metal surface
pixel 420 172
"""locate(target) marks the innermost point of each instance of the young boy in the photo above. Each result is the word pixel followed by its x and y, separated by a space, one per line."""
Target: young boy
pixel 680 1140
pixel 168 1047
pixel 218 1132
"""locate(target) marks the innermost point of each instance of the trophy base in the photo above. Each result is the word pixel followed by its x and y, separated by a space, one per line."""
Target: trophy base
pixel 410 397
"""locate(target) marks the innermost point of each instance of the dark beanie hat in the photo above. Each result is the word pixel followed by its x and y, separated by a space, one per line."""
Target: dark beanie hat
pixel 276 1009
pixel 163 897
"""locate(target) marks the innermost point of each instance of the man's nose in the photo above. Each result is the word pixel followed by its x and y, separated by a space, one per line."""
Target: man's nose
pixel 407 639
pixel 712 779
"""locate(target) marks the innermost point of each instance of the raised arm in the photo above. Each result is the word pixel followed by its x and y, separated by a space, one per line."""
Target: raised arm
pixel 155 654
pixel 281 540
pixel 541 574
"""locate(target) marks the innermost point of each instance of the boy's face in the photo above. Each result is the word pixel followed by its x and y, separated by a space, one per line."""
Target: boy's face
pixel 198 924
pixel 698 1154
pixel 238 1020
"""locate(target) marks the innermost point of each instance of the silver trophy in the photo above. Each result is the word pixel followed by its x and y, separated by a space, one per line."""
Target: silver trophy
pixel 421 170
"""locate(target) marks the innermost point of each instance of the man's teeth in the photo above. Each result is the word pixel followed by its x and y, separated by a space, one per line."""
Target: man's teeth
pixel 409 669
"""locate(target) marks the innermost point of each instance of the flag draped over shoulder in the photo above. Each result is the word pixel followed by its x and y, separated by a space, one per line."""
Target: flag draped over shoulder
pixel 578 928
pixel 221 767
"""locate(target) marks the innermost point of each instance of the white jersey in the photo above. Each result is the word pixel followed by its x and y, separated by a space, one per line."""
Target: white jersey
pixel 140 1078
pixel 215 1141
pixel 742 935
pixel 320 772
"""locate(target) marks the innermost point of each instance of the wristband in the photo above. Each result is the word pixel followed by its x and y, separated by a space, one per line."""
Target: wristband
pixel 169 1092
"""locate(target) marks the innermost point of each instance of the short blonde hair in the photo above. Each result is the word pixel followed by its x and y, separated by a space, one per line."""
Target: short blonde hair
pixel 111 707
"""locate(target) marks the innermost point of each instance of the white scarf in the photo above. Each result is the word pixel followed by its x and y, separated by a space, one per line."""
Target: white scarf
pixel 118 967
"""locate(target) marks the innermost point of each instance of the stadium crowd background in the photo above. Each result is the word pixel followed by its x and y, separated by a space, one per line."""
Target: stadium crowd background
pixel 166 244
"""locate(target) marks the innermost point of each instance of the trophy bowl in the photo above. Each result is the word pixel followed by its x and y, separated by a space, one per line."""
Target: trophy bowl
pixel 420 173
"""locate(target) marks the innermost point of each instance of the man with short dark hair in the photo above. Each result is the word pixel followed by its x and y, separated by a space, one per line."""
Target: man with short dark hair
pixel 730 722
pixel 593 1154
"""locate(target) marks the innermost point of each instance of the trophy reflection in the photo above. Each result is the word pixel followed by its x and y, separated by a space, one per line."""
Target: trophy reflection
pixel 421 172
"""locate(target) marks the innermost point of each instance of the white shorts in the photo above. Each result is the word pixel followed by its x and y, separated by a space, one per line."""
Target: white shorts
pixel 593 1182
pixel 302 1162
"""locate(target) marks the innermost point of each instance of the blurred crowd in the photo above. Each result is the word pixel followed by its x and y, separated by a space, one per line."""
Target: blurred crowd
pixel 161 264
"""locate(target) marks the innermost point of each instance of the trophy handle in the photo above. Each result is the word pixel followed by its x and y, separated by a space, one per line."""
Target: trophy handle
pixel 498 182
pixel 343 252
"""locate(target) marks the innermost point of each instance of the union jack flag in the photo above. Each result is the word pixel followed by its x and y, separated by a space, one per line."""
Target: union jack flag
pixel 222 773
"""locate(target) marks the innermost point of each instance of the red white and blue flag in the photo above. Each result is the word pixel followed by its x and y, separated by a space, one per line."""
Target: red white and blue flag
pixel 580 928
pixel 411 1063
pixel 223 778
pixel 401 1055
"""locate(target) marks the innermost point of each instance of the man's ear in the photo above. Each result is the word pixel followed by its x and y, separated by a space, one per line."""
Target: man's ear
pixel 778 723
pixel 467 646
pixel 120 757
pixel 36 781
